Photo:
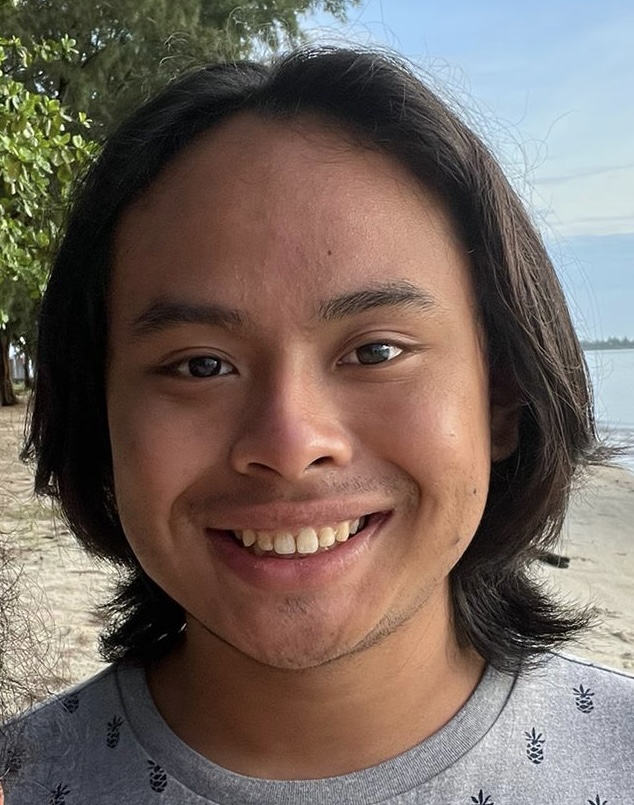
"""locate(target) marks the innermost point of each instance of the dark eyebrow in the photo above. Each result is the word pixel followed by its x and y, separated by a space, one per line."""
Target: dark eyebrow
pixel 166 313
pixel 163 314
pixel 389 294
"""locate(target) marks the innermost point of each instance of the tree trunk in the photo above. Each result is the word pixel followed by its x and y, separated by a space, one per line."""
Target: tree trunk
pixel 28 380
pixel 7 393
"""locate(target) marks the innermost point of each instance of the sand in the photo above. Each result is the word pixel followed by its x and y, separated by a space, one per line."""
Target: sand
pixel 598 538
pixel 54 634
pixel 60 586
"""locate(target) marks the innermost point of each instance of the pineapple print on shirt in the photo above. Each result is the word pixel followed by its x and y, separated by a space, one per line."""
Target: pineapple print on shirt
pixel 103 739
pixel 71 702
pixel 535 746
pixel 583 699
pixel 158 777
pixel 15 759
pixel 113 733
pixel 58 795
pixel 481 799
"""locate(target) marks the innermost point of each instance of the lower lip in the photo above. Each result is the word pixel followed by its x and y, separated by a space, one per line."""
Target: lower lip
pixel 283 575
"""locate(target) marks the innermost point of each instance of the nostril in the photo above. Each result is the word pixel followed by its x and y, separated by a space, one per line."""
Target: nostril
pixel 319 462
pixel 290 448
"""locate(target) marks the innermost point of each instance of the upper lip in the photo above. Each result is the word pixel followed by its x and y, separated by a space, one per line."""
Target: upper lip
pixel 282 515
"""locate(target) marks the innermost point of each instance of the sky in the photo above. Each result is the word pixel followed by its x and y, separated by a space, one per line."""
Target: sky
pixel 549 85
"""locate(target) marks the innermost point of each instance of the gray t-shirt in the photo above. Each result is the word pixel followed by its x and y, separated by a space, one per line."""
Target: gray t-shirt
pixel 562 735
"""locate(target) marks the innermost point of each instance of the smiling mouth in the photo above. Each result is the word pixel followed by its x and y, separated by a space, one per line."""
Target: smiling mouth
pixel 306 541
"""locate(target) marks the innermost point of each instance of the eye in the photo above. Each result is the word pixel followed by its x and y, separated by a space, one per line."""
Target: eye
pixel 201 366
pixel 369 354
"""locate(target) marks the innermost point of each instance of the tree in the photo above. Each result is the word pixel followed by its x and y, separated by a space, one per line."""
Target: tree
pixel 39 159
pixel 126 49
pixel 99 58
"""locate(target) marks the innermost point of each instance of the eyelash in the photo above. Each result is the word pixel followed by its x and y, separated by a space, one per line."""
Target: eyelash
pixel 356 350
pixel 183 368
pixel 177 367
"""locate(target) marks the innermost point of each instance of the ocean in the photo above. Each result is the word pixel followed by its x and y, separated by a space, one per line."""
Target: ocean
pixel 612 372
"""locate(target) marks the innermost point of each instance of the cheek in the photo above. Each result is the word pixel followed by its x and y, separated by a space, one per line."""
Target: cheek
pixel 439 435
pixel 435 428
pixel 158 450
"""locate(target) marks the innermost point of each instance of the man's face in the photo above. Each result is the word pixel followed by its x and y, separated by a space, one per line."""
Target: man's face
pixel 294 353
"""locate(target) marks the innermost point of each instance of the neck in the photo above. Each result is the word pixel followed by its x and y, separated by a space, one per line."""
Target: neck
pixel 347 715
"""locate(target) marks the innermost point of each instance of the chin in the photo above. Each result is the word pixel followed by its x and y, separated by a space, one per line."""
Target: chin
pixel 302 654
pixel 316 646
pixel 296 649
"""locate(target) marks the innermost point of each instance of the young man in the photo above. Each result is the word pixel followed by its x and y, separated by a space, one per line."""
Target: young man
pixel 306 370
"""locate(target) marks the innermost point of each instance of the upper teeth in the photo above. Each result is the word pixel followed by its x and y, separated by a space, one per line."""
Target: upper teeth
pixel 305 541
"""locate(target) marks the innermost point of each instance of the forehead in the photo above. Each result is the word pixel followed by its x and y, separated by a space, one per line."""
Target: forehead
pixel 278 202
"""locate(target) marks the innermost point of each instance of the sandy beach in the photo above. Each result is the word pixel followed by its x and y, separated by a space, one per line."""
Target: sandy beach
pixel 60 586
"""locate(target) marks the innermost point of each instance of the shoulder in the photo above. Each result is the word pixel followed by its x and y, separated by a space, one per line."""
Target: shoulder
pixel 69 706
pixel 563 735
pixel 566 694
pixel 59 736
pixel 561 674
pixel 60 722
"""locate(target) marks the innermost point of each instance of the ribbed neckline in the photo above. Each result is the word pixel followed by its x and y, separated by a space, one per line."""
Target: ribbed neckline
pixel 374 785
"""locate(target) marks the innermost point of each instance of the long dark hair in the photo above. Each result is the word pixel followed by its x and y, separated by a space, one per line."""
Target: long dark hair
pixel 498 607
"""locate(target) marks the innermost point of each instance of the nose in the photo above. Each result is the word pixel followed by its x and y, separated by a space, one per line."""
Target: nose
pixel 290 429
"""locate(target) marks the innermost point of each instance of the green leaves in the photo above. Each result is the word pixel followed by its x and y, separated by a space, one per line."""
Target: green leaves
pixel 39 161
pixel 98 58
pixel 105 56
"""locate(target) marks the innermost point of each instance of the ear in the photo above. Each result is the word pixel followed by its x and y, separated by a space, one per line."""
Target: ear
pixel 505 412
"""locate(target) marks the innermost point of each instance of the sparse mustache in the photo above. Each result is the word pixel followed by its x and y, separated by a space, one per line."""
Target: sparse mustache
pixel 259 491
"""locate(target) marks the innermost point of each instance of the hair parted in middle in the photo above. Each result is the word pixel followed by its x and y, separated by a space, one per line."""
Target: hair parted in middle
pixel 532 349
